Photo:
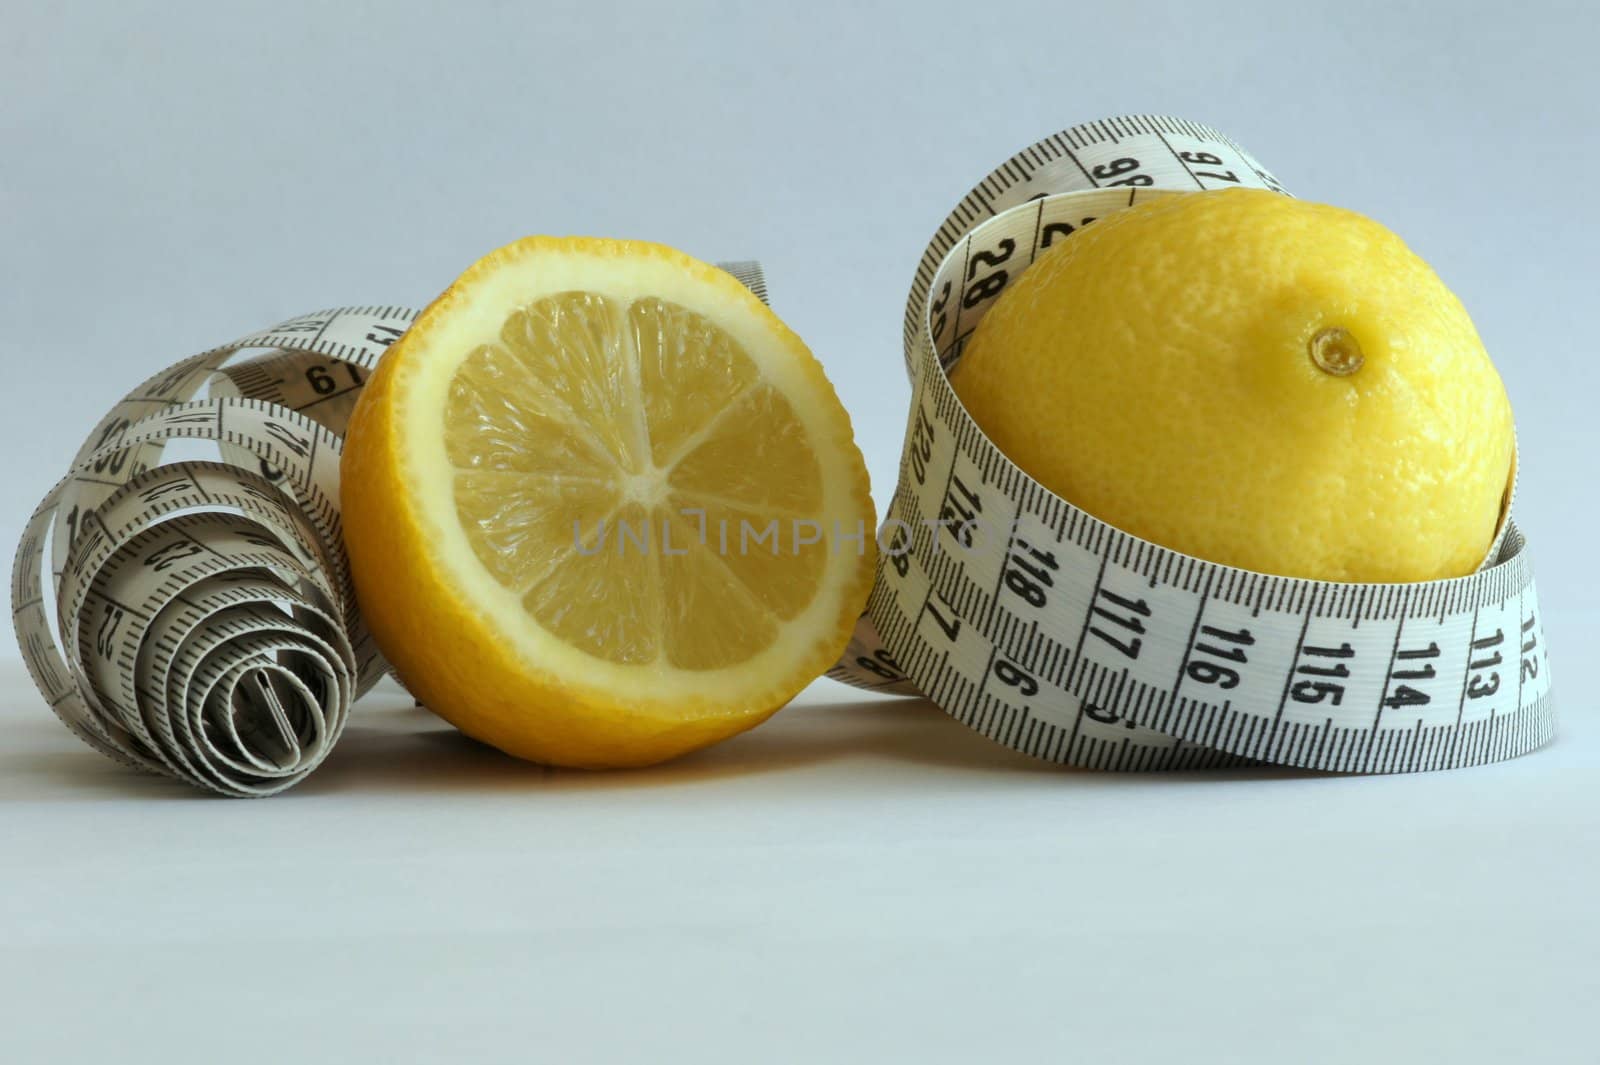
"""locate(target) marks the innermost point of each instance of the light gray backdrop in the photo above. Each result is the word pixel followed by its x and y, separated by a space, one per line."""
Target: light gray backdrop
pixel 887 886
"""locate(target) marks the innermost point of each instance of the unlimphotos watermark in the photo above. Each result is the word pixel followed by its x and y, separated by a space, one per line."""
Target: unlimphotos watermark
pixel 774 536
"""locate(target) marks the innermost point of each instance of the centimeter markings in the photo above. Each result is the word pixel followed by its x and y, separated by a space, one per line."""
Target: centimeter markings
pixel 1134 152
pixel 1058 635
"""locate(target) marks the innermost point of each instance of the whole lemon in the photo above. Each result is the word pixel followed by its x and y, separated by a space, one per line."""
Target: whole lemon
pixel 1254 380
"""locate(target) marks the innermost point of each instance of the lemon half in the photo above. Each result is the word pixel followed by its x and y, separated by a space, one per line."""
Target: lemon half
pixel 602 507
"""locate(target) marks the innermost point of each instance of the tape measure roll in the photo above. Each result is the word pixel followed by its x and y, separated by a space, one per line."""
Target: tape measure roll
pixel 1060 636
pixel 196 618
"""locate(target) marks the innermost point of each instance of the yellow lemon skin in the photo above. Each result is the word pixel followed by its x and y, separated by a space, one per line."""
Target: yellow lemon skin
pixel 1182 369
pixel 432 605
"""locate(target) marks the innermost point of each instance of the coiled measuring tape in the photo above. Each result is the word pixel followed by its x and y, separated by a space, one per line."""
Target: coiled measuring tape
pixel 1068 639
pixel 196 618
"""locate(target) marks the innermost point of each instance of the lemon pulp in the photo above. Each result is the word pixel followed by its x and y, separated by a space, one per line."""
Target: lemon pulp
pixel 589 443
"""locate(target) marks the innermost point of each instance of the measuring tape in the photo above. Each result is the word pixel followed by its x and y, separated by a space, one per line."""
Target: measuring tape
pixel 1068 639
pixel 197 618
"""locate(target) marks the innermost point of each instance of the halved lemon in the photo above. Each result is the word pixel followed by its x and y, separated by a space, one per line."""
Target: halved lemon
pixel 602 507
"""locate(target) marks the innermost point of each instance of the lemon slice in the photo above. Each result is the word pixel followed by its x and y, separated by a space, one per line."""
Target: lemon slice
pixel 602 507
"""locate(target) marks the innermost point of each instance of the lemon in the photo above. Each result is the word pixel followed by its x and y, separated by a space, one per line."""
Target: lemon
pixel 602 507
pixel 1254 380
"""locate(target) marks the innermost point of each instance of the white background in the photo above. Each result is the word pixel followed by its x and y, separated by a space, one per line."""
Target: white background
pixel 859 880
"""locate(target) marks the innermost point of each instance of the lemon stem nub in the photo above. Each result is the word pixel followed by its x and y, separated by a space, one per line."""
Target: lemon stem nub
pixel 1335 351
